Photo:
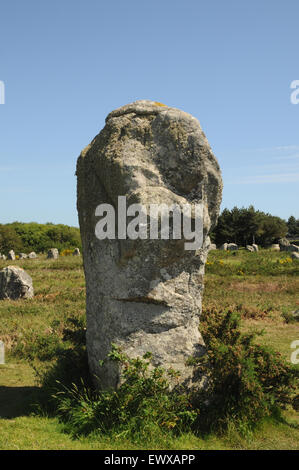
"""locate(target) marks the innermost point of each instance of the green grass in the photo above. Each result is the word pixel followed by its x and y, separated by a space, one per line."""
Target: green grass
pixel 262 287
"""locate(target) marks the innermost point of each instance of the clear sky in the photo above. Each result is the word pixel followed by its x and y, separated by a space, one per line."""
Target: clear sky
pixel 66 64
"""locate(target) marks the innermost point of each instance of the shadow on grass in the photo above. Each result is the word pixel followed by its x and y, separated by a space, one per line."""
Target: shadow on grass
pixel 17 401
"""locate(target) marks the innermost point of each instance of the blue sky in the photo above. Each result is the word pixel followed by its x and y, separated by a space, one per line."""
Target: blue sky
pixel 66 64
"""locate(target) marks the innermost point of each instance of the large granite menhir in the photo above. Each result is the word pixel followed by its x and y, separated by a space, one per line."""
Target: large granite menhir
pixel 145 295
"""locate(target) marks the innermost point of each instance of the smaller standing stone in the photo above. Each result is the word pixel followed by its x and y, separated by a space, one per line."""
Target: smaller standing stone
pixel 76 252
pixel 53 253
pixel 11 255
pixel 275 247
pixel 2 353
pixel 283 244
pixel 232 246
pixel 223 246
pixel 15 284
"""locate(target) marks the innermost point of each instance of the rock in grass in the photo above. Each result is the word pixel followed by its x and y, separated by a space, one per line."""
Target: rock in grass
pixel 15 284
pixel 295 255
pixel 32 255
pixel 275 247
pixel 11 255
pixel 145 294
pixel 76 252
pixel 53 253
pixel 232 246
pixel 223 246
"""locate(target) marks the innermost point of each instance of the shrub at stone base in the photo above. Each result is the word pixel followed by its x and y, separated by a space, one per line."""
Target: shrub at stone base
pixel 247 382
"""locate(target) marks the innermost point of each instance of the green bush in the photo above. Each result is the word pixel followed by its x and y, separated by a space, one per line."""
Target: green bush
pixel 246 382
pixel 142 405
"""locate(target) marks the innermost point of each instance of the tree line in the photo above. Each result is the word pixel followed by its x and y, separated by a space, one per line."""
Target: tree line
pixel 245 226
pixel 240 225
pixel 27 237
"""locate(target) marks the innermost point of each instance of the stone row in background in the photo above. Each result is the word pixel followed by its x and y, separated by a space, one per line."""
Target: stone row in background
pixel 52 253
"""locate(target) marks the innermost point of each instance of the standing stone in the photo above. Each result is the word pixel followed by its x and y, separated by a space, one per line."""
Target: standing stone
pixel 232 246
pixel 15 284
pixel 144 294
pixel 53 253
pixel 76 252
pixel 2 353
pixel 11 255
pixel 275 247
pixel 223 246
pixel 283 244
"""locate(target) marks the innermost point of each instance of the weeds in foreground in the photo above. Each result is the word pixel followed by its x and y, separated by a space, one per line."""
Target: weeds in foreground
pixel 245 383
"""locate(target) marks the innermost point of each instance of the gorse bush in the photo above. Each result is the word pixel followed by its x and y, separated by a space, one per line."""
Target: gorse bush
pixel 246 382
pixel 141 405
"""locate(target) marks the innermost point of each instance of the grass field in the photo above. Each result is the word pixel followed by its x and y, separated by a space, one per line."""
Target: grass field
pixel 262 287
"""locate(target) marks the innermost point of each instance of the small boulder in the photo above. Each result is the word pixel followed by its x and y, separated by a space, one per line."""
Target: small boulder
pixel 255 247
pixel 76 252
pixel 275 247
pixel 22 256
pixel 11 255
pixel 295 255
pixel 223 246
pixel 15 284
pixel 53 253
pixel 232 246
pixel 249 248
pixel 32 255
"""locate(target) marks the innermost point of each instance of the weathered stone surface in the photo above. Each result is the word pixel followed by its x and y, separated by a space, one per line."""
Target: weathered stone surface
pixel 53 253
pixel 232 246
pixel 295 255
pixel 15 284
pixel 212 246
pixel 22 256
pixel 11 255
pixel 76 252
pixel 255 247
pixel 145 295
pixel 32 255
pixel 249 248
